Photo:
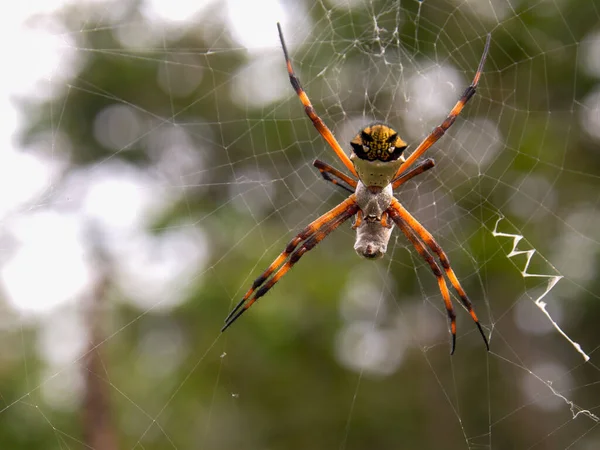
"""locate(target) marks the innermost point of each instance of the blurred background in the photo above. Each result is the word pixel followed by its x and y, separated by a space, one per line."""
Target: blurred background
pixel 155 160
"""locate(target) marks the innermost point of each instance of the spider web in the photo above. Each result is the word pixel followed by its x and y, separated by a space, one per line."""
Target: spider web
pixel 158 160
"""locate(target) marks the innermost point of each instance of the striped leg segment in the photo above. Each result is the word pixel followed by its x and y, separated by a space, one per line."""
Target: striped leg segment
pixel 334 176
pixel 310 111
pixel 309 237
pixel 428 239
pixel 439 131
pixel 423 166
pixel 435 269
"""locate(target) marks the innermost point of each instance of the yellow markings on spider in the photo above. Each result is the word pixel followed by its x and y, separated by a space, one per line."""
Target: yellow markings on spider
pixel 378 141
pixel 377 161
pixel 377 154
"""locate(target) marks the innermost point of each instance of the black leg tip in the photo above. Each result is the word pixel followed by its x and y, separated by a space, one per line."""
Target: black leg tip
pixel 487 344
pixel 228 323
pixel 285 52
pixel 233 316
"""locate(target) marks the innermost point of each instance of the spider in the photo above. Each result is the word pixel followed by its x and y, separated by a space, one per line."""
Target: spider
pixel 378 167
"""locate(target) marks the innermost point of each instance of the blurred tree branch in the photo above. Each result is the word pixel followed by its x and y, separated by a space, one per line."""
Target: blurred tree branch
pixel 98 427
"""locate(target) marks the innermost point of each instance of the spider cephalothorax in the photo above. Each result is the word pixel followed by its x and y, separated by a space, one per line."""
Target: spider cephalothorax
pixel 378 142
pixel 377 154
pixel 379 167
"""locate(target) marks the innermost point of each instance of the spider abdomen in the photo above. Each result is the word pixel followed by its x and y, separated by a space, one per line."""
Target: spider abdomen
pixel 372 236
pixel 372 239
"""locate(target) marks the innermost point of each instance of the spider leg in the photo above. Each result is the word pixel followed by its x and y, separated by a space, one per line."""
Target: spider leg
pixel 398 210
pixel 358 220
pixel 423 166
pixel 434 268
pixel 384 220
pixel 439 131
pixel 310 111
pixel 311 235
pixel 334 176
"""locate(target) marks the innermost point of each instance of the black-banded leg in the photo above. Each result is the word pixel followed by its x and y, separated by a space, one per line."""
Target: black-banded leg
pixel 334 176
pixel 306 240
pixel 434 268
pixel 423 166
pixel 439 131
pixel 310 111
pixel 396 209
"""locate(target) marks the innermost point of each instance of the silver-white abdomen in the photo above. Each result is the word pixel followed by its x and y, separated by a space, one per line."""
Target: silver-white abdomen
pixel 371 236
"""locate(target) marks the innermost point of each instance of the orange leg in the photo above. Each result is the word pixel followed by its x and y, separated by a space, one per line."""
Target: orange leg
pixel 384 220
pixel 311 235
pixel 310 111
pixel 417 170
pixel 435 269
pixel 439 131
pixel 334 176
pixel 398 210
pixel 358 221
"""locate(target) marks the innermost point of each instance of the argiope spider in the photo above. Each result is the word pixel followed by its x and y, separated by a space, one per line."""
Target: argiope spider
pixel 377 161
